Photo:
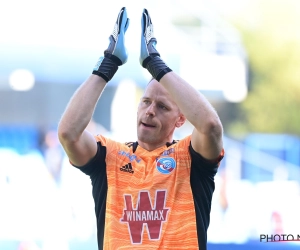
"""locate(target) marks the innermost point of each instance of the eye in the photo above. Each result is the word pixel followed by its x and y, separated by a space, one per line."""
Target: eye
pixel 162 107
pixel 146 102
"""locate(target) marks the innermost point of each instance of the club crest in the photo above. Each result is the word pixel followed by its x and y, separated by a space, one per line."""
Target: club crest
pixel 165 165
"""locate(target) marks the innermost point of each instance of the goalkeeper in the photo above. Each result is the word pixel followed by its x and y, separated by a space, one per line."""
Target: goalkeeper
pixel 156 192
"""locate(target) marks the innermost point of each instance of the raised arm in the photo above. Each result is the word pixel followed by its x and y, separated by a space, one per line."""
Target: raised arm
pixel 208 131
pixel 78 143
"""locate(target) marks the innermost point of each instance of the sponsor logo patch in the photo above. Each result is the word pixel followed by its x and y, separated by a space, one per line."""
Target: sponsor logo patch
pixel 145 213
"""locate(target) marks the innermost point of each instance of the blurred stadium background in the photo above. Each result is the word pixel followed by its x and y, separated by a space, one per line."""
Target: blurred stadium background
pixel 243 55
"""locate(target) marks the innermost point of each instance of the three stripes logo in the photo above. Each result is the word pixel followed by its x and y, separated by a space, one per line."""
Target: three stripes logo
pixel 127 168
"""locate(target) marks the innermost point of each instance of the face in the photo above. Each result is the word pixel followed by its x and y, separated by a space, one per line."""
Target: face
pixel 157 117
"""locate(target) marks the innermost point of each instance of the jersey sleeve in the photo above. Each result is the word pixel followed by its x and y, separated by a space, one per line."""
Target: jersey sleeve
pixel 199 161
pixel 202 176
pixel 96 169
pixel 96 165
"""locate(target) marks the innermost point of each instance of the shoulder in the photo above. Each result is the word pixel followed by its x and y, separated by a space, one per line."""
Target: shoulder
pixel 112 145
pixel 107 142
pixel 182 143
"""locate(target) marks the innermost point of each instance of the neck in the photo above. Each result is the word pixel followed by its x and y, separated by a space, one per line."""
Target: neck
pixel 151 146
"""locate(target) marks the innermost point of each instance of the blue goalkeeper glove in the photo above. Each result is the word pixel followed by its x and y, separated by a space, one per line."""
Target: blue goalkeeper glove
pixel 116 53
pixel 149 56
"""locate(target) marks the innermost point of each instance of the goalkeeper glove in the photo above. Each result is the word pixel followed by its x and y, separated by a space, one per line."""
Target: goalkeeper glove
pixel 116 53
pixel 149 56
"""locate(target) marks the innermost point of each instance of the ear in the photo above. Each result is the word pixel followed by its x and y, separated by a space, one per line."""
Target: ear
pixel 181 120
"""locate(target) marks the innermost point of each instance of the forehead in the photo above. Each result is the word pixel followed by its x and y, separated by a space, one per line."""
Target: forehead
pixel 155 90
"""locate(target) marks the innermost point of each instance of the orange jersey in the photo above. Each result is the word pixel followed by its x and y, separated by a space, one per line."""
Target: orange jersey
pixel 151 200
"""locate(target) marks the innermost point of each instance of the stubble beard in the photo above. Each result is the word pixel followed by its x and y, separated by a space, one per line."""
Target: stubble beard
pixel 147 138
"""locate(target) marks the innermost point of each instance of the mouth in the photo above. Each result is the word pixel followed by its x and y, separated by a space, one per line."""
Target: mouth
pixel 147 125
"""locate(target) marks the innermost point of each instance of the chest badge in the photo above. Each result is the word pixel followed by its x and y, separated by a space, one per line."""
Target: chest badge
pixel 165 165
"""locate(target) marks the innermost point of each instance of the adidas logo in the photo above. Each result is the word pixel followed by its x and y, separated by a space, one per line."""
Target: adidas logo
pixel 127 168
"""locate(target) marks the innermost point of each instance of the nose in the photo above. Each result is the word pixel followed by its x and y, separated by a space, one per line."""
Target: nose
pixel 150 110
